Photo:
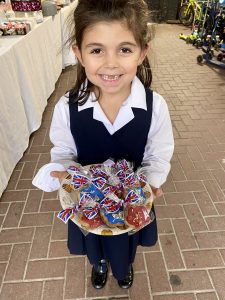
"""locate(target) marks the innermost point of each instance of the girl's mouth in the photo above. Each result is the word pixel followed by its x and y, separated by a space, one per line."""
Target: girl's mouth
pixel 110 77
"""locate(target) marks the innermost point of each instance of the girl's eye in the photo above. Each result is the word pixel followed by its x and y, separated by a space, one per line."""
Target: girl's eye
pixel 125 50
pixel 96 51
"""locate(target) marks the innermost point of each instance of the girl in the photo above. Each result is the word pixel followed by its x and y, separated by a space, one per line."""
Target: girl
pixel 110 113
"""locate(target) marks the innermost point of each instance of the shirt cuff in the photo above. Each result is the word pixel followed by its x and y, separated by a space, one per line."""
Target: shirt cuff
pixel 44 181
pixel 154 179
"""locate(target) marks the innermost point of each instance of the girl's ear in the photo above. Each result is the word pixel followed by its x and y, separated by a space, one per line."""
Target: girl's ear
pixel 77 53
pixel 143 54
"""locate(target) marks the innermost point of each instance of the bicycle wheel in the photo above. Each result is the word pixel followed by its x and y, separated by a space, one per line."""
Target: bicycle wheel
pixel 186 14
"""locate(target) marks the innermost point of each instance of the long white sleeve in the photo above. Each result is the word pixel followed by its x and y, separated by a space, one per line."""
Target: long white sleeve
pixel 160 144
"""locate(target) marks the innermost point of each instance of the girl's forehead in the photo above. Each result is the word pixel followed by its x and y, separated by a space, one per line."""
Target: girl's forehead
pixel 105 28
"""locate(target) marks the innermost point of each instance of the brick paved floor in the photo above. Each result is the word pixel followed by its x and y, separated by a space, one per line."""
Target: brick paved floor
pixel 188 263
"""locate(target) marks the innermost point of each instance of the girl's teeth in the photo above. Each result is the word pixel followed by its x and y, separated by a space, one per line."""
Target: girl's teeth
pixel 110 77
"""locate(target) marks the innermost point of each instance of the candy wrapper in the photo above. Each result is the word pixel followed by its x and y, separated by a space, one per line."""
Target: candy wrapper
pixel 106 199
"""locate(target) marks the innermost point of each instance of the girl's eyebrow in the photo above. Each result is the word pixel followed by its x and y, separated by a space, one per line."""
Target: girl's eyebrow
pixel 102 45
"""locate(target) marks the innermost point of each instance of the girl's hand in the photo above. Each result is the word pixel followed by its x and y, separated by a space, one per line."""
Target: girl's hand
pixel 59 174
pixel 157 192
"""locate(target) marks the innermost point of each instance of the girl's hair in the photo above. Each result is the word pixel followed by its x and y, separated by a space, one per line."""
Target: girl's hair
pixel 89 12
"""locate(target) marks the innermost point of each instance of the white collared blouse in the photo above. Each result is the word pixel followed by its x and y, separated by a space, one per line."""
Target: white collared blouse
pixel 158 150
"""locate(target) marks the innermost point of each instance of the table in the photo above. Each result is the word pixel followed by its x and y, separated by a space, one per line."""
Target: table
pixel 14 132
pixel 30 66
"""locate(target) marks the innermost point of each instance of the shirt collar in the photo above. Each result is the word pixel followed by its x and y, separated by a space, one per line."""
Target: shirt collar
pixel 137 97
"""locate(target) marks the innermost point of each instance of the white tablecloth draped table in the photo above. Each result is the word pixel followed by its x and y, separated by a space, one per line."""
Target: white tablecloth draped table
pixel 30 65
pixel 14 132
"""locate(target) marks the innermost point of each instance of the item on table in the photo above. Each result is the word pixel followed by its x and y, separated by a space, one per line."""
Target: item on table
pixel 26 5
pixel 14 28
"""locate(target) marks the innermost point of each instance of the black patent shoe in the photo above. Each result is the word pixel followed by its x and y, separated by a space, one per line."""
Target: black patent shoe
pixel 126 283
pixel 99 277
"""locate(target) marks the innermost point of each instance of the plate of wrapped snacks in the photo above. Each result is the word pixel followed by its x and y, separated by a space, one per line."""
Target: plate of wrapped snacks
pixel 106 199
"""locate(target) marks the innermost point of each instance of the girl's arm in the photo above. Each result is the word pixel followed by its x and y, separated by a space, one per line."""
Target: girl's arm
pixel 160 144
pixel 63 153
pixel 64 150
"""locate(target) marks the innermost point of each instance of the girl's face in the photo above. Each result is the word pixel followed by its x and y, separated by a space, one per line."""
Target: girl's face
pixel 110 56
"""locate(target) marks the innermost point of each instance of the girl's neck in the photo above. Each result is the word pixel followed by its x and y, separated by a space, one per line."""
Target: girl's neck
pixel 111 104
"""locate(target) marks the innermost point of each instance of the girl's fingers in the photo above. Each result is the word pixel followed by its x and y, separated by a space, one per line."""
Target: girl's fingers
pixel 157 192
pixel 58 174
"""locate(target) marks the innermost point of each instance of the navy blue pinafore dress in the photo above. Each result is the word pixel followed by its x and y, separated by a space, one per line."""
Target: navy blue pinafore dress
pixel 95 145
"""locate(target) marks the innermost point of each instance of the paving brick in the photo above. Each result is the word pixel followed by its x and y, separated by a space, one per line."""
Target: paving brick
pixel 24 184
pixel 39 137
pixel 157 272
pixel 40 149
pixel 59 231
pixel 218 278
pixel 220 208
pixel 13 215
pixel 29 157
pixel 184 235
pixel 37 219
pixel 202 259
pixel 195 218
pixel 164 226
pixel 1 220
pixel 210 239
pixel 189 186
pixel 171 252
pixel 138 264
pixel 33 201
pixel 13 180
pixel 28 170
pixel 141 249
pixel 190 280
pixel 185 162
pixel 40 242
pixel 5 252
pixel 58 249
pixel 177 172
pixel 12 196
pixel 205 203
pixel 140 287
pixel 219 176
pixel 3 208
pixel 22 290
pixel 50 195
pixel 17 263
pixel 45 269
pixel 75 278
pixel 214 191
pixel 50 205
pixel 170 211
pixel 53 289
pixel 206 296
pixel 222 251
pixel 168 187
pixel 216 223
pixel 21 235
pixel 2 271
pixel 179 198
pixel 175 297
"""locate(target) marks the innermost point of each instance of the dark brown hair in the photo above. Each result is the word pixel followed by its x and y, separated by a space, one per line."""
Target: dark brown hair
pixel 89 12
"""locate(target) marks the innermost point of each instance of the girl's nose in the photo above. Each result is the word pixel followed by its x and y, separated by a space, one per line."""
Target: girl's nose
pixel 111 60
